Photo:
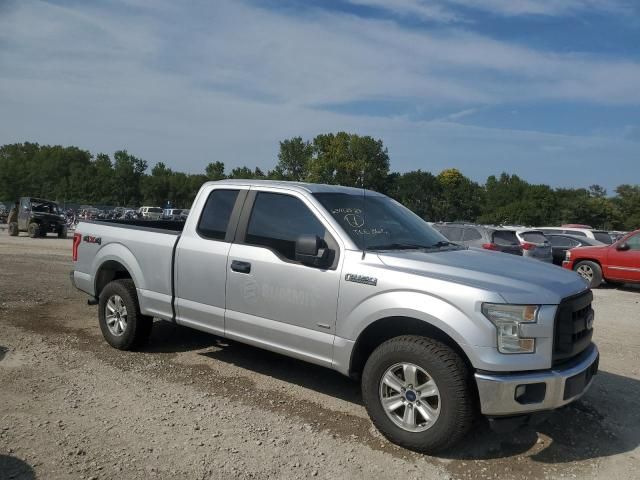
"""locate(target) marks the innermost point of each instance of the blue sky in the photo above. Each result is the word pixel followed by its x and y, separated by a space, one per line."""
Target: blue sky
pixel 546 89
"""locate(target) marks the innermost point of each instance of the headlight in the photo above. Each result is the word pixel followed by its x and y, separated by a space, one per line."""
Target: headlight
pixel 507 319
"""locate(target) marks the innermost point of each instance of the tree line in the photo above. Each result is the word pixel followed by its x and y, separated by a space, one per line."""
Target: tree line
pixel 72 175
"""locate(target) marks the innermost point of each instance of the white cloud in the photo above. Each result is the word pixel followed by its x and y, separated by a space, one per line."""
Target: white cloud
pixel 445 11
pixel 543 7
pixel 226 81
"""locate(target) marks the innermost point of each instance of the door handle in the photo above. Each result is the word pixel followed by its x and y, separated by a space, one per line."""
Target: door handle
pixel 240 267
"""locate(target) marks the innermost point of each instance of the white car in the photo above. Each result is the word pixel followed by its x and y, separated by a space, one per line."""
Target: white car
pixel 151 213
pixel 535 244
pixel 600 235
pixel 172 213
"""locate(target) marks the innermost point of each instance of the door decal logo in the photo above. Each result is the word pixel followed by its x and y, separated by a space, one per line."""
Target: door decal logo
pixel 250 292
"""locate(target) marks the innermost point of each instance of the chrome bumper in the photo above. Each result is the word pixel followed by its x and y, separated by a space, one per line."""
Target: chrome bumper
pixel 521 393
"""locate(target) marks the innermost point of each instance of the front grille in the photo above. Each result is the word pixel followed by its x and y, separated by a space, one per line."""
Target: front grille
pixel 572 327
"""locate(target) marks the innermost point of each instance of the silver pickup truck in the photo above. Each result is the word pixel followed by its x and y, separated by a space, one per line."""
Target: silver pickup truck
pixel 352 280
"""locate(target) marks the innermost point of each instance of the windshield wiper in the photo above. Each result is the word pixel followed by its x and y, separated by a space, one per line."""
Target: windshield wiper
pixel 397 246
pixel 443 243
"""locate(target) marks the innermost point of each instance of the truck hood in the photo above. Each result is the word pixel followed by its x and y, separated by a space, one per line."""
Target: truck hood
pixel 597 250
pixel 516 279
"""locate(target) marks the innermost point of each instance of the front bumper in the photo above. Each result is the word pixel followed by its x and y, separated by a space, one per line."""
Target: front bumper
pixel 518 393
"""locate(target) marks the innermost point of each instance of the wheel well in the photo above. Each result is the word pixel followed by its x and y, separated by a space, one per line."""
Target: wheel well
pixel 109 271
pixel 577 261
pixel 384 329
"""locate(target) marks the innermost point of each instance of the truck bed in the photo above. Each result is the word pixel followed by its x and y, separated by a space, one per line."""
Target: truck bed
pixel 145 247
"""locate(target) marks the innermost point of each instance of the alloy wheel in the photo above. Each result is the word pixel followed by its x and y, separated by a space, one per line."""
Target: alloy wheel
pixel 116 315
pixel 410 397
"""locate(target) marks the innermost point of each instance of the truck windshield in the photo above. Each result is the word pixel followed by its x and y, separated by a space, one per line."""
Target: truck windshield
pixel 44 207
pixel 380 223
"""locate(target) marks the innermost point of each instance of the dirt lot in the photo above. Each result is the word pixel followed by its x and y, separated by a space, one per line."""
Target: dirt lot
pixel 193 405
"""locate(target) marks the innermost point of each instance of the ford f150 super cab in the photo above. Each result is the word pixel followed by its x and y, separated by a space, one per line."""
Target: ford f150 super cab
pixel 351 280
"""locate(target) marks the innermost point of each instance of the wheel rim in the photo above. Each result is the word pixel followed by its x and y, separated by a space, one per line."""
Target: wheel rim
pixel 116 315
pixel 585 271
pixel 410 397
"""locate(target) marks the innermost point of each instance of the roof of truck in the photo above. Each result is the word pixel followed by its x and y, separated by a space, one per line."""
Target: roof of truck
pixel 298 186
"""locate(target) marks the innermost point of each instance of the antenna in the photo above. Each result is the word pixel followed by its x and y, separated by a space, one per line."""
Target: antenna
pixel 364 217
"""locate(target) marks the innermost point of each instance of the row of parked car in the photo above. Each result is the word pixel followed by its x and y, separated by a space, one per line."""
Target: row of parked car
pixel 597 255
pixel 157 213
pixel 148 213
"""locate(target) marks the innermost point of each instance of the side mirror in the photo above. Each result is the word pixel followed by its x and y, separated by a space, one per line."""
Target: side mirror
pixel 311 250
pixel 623 246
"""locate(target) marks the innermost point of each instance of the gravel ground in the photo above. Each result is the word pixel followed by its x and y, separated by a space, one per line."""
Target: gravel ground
pixel 193 405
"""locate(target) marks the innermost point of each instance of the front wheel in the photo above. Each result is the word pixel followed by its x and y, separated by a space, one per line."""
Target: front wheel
pixel 590 271
pixel 122 324
pixel 417 393
pixel 34 230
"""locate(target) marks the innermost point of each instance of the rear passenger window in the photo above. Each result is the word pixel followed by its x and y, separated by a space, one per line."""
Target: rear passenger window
pixel 534 237
pixel 505 237
pixel 471 234
pixel 560 241
pixel 278 220
pixel 217 211
pixel 451 233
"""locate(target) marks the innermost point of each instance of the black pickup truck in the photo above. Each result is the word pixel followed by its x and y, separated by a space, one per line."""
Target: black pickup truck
pixel 38 217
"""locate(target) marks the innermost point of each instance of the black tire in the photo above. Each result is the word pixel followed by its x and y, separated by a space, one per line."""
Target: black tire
pixel 590 271
pixel 34 230
pixel 13 229
pixel 448 371
pixel 62 232
pixel 138 326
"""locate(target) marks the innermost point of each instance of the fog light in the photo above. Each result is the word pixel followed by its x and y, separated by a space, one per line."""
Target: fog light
pixel 530 393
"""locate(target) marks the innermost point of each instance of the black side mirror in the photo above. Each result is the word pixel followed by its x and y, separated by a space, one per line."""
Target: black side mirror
pixel 623 246
pixel 311 250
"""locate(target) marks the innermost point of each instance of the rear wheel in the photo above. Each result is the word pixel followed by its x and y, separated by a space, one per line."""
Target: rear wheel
pixel 34 230
pixel 417 393
pixel 62 232
pixel 590 271
pixel 122 324
pixel 13 229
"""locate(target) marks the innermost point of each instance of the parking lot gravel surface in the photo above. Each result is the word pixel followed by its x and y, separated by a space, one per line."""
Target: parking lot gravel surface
pixel 193 405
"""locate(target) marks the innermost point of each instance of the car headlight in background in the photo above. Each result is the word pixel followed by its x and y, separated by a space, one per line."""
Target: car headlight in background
pixel 507 320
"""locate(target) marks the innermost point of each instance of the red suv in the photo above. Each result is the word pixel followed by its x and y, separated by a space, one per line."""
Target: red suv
pixel 617 263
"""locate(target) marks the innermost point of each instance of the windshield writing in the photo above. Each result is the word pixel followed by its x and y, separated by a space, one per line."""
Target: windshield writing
pixel 380 223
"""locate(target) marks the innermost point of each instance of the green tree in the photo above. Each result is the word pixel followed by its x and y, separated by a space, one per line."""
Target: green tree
pixel 128 173
pixel 418 191
pixel 215 171
pixel 627 202
pixel 349 159
pixel 460 197
pixel 293 160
